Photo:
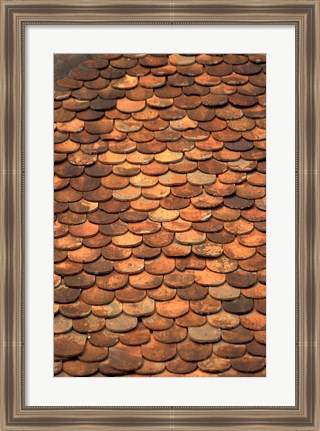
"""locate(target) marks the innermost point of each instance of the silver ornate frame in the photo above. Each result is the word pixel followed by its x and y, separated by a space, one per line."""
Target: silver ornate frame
pixel 15 16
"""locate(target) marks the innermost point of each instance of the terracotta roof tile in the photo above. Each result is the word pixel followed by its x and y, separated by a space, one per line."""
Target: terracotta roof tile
pixel 254 214
pixel 164 70
pixel 254 321
pixel 226 213
pixel 262 276
pixel 211 143
pixel 67 267
pixel 236 202
pixel 129 294
pixel 145 252
pixel 96 296
pixel 157 102
pixel 191 351
pixel 190 319
pixel 67 195
pixel 176 250
pixel 224 292
pixel 253 239
pixel 69 83
pixel 209 59
pixel 65 295
pixel 62 115
pixel 242 305
pixel 160 207
pixel 229 351
pixel 210 225
pixel 224 88
pixel 181 60
pixel 158 351
pixel 194 214
pixel 124 358
pixel 136 337
pixel 237 335
pixel 234 79
pixel 113 309
pixel 61 94
pixel 248 364
pixel 235 250
pixel 204 334
pixel 209 278
pixel 145 307
pixel 201 113
pixel 259 79
pixel 184 166
pixel 121 323
pixel 62 324
pixel 113 281
pixel 254 263
pixel 74 310
pixel 241 279
pixel 183 124
pixel 256 349
pixel 160 265
pixel 207 305
pixel 174 334
pixel 84 254
pixel 235 58
pixel 150 368
pixel 145 281
pixel 96 241
pixel 181 145
pixel 142 136
pixel 60 136
pixel 221 69
pixel 223 320
pixel 88 324
pixel 180 366
pixel 222 264
pixel 190 262
pixel 78 368
pixel 93 353
pixel 97 83
pixel 190 237
pixel 214 364
pixel 220 189
pixel 222 237
pixel 157 125
pixel 260 336
pixel 208 249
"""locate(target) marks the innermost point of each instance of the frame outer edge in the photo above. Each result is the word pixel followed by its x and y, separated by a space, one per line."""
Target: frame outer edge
pixel 316 262
pixel 11 182
pixel 3 239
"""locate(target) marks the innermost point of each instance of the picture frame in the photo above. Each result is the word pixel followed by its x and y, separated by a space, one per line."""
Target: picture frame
pixel 15 16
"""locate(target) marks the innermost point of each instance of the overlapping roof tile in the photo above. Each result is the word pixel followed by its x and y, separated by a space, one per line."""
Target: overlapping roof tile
pixel 160 211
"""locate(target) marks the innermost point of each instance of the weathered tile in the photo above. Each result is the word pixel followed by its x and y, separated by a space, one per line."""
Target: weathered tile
pixel 248 364
pixel 209 278
pixel 254 321
pixel 223 320
pixel 191 352
pixel 160 265
pixel 214 364
pixel 157 351
pixel 228 350
pixel 121 323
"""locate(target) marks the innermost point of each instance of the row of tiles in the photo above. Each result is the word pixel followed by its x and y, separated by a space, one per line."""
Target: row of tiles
pixel 101 351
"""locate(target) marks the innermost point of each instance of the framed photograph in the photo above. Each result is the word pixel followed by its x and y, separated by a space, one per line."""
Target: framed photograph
pixel 159 186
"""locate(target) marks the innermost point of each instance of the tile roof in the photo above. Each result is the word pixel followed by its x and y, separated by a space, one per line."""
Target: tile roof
pixel 160 210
